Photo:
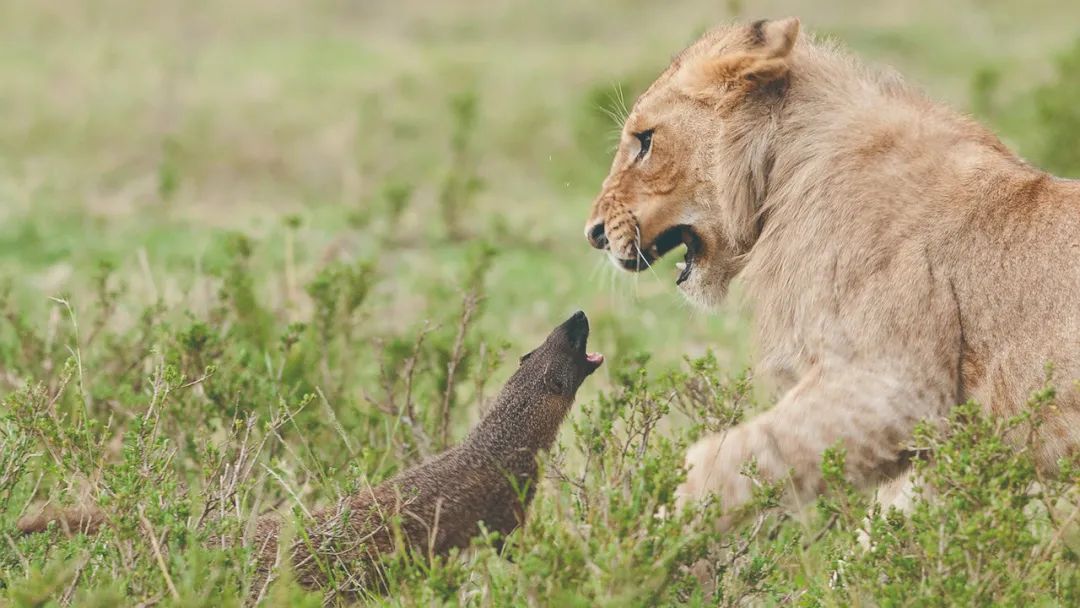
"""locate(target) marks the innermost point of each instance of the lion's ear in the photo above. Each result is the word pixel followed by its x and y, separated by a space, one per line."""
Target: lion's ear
pixel 778 36
pixel 716 76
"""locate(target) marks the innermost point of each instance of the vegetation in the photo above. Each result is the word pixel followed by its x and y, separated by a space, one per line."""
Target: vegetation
pixel 255 256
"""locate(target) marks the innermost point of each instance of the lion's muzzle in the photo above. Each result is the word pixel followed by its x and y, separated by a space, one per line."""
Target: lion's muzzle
pixel 614 228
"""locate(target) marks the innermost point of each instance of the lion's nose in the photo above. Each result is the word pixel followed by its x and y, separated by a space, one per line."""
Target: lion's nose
pixel 596 236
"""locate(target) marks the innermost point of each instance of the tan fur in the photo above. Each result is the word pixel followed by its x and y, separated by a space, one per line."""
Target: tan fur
pixel 899 257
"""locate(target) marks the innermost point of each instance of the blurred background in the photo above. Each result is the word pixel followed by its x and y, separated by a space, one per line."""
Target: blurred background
pixel 157 140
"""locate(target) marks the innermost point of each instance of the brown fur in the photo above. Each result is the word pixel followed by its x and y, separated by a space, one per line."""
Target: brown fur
pixel 900 258
pixel 71 521
pixel 440 504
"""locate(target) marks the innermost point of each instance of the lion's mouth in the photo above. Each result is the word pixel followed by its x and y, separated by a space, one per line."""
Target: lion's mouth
pixel 664 243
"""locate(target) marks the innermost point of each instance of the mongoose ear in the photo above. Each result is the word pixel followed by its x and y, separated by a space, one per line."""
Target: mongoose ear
pixel 715 76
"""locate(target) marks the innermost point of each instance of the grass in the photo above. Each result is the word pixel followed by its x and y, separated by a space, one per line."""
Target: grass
pixel 224 228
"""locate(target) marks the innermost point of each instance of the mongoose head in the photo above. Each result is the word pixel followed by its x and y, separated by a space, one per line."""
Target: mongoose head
pixel 531 406
pixel 561 363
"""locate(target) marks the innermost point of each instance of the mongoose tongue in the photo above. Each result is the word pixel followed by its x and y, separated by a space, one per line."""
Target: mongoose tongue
pixel 594 358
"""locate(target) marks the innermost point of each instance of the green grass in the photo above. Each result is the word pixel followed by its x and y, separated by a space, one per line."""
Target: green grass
pixel 217 217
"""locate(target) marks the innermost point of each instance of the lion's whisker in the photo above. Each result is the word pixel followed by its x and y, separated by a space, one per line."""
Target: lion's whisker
pixel 641 255
pixel 622 103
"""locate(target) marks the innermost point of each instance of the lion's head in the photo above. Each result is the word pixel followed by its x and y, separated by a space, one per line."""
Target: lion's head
pixel 693 158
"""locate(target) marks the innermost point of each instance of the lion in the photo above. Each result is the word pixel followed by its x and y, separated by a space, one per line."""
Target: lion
pixel 899 258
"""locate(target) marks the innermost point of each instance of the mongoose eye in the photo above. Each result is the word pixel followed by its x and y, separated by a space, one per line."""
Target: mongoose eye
pixel 645 139
pixel 526 356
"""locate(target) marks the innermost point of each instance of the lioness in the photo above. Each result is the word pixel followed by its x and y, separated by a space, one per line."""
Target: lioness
pixel 900 258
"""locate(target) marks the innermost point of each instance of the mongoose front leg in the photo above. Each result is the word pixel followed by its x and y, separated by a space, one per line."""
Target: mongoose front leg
pixel 872 416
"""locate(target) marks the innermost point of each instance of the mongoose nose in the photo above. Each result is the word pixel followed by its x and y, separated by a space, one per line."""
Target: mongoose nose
pixel 596 236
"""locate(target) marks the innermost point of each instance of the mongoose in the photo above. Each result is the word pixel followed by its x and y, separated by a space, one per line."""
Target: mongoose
pixel 440 504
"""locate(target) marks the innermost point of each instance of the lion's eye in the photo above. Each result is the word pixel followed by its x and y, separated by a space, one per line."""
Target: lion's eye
pixel 645 138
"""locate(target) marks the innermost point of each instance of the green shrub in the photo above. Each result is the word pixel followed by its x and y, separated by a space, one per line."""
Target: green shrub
pixel 206 436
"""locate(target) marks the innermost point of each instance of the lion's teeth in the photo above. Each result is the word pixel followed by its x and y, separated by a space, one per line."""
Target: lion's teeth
pixel 680 266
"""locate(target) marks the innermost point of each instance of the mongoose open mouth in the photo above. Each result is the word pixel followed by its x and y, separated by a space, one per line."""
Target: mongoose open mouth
pixel 577 332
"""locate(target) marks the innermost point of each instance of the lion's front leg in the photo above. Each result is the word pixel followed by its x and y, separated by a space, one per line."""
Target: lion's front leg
pixel 870 415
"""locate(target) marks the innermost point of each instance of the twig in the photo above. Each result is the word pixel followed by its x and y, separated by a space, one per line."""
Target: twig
pixel 409 372
pixel 22 558
pixel 1049 546
pixel 468 308
pixel 157 553
pixel 287 489
pixel 204 377
pixel 76 352
pixel 820 533
pixel 65 599
pixel 337 425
